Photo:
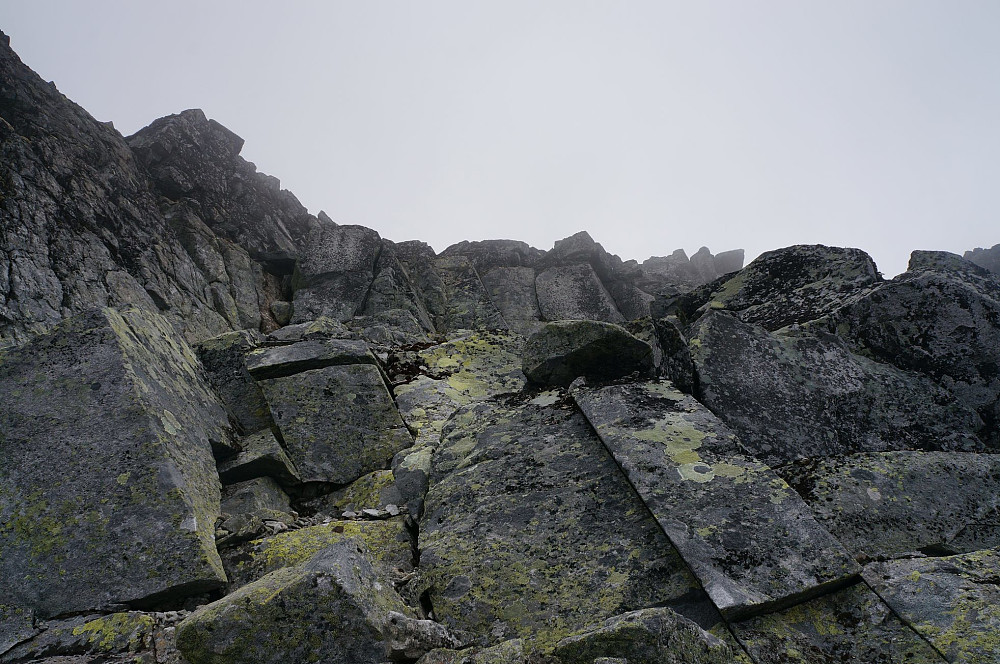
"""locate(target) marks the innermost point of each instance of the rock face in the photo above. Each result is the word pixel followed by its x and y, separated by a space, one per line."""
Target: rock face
pixel 143 470
pixel 380 453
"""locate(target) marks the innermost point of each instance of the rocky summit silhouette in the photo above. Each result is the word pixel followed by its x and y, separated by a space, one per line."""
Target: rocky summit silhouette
pixel 235 432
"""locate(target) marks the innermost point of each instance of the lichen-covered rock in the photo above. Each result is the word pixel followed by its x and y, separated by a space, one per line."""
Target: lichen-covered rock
pixel 224 359
pixel 467 302
pixel 336 270
pixel 280 361
pixel 675 364
pixel 886 504
pixel 320 328
pixel 850 626
pixel 565 350
pixel 574 292
pixel 803 394
pixel 98 637
pixel 941 318
pixel 389 543
pixel 746 535
pixel 953 602
pixel 376 490
pixel 530 530
pixel 254 495
pixel 96 511
pixel 337 423
pixel 648 636
pixel 507 652
pixel 262 456
pixel 17 624
pixel 332 608
pixel 796 284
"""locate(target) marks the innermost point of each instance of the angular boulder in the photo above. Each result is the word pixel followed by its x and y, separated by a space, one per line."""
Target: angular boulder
pixel 333 608
pixel 574 292
pixel 262 456
pixel 565 350
pixel 280 361
pixel 747 536
pixel 224 359
pixel 801 394
pixel 337 423
pixel 108 489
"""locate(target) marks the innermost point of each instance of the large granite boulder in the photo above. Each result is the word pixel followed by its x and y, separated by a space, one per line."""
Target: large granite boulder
pixel 531 532
pixel 467 302
pixel 887 504
pixel 941 318
pixel 746 535
pixel 108 489
pixel 803 394
pixel 337 423
pixel 332 608
pixel 224 359
pixel 796 284
pixel 574 292
pixel 564 350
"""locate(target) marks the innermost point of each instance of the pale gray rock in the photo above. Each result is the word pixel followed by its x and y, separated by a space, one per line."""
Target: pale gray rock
pixel 574 292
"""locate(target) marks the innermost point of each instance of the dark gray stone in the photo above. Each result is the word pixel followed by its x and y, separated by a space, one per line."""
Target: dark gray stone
pixel 337 423
pixel 803 394
pixel 262 456
pixel 564 350
pixel 281 361
pixel 746 535
pixel 224 359
pixel 574 292
pixel 120 507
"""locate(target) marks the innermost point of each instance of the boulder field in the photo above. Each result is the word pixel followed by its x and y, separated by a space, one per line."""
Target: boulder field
pixel 233 432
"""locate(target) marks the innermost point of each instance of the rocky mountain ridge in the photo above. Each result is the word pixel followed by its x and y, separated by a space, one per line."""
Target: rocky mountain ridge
pixel 231 431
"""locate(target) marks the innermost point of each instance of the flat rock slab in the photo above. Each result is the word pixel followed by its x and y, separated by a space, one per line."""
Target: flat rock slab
pixel 118 508
pixel 850 626
pixel 953 602
pixel 747 536
pixel 530 530
pixel 801 394
pixel 880 505
pixel 280 361
pixel 262 456
pixel 337 423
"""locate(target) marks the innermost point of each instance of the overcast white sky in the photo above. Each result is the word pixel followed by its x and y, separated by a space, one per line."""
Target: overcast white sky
pixel 653 125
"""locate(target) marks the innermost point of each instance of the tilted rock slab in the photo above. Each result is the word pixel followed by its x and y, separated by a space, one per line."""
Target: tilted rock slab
pixel 803 394
pixel 337 423
pixel 563 350
pixel 224 359
pixel 747 536
pixel 280 361
pixel 530 529
pixel 953 602
pixel 108 488
pixel 889 503
pixel 850 626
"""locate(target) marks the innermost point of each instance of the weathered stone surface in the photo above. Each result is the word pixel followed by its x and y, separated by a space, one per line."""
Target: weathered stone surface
pixel 796 284
pixel 574 292
pixel 648 636
pixel 281 361
pixel 99 638
pixel 388 542
pixel 224 359
pixel 531 531
pixel 508 652
pixel 564 350
pixel 17 624
pixel 850 626
pixel 953 602
pixel 336 270
pixel 321 328
pixel 941 318
pixel 333 608
pixel 488 255
pixel 116 508
pixel 885 504
pixel 467 303
pixel 679 270
pixel 675 363
pixel 375 490
pixel 512 290
pixel 804 394
pixel 393 290
pixel 337 423
pixel 260 494
pixel 262 456
pixel 746 535
pixel 985 258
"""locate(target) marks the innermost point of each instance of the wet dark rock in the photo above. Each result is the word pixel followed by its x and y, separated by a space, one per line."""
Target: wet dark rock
pixel 261 456
pixel 224 359
pixel 562 351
